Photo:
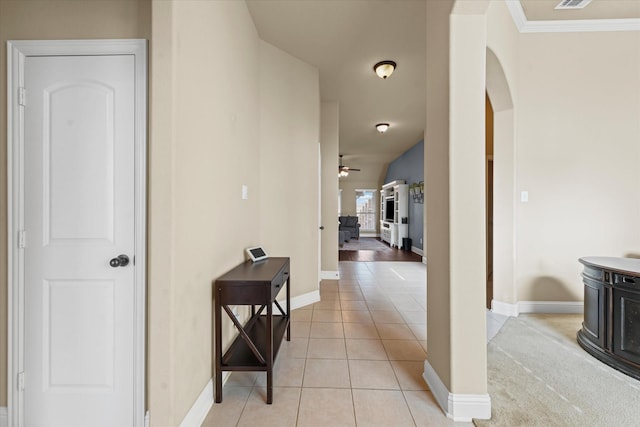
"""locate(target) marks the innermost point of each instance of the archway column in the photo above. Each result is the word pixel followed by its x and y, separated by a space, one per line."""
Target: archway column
pixel 456 368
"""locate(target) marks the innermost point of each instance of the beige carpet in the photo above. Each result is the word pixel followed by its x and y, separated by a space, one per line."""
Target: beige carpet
pixel 539 376
pixel 364 244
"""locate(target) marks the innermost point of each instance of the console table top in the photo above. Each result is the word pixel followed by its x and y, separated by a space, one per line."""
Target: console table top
pixel 630 266
pixel 259 271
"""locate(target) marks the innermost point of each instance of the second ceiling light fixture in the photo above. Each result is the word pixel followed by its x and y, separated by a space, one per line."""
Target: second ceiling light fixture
pixel 384 69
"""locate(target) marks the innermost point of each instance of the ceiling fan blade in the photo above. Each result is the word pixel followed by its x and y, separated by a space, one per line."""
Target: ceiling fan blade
pixel 344 168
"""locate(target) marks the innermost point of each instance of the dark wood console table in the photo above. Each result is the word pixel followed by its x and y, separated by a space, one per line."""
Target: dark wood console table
pixel 258 341
pixel 611 327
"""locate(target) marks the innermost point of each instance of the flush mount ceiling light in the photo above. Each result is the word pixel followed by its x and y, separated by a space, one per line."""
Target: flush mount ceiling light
pixel 382 127
pixel 384 68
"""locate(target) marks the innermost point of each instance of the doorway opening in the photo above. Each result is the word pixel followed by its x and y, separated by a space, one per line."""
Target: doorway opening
pixel 489 195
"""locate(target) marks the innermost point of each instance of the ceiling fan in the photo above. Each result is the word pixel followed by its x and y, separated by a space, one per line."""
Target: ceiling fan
pixel 344 170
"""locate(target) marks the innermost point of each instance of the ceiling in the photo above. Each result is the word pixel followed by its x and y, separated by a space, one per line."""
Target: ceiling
pixel 345 38
pixel 544 10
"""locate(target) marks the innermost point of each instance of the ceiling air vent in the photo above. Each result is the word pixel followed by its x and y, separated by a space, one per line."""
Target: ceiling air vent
pixel 572 4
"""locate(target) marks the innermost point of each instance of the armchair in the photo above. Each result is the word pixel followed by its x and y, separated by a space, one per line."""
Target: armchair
pixel 350 224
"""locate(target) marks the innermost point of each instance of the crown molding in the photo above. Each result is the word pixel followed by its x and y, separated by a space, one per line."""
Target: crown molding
pixel 517 13
pixel 572 26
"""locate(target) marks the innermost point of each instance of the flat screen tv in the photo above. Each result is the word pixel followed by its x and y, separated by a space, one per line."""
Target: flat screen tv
pixel 388 211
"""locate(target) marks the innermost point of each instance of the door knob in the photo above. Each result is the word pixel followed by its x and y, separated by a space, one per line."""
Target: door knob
pixel 119 261
pixel 322 227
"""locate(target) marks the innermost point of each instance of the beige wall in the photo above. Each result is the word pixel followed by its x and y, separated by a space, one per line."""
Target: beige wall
pixel 570 140
pixel 455 195
pixel 577 154
pixel 329 140
pixel 289 164
pixel 467 203
pixel 197 168
pixel 205 143
pixel 48 20
pixel 254 122
pixel 567 125
pixel 160 372
pixel 436 179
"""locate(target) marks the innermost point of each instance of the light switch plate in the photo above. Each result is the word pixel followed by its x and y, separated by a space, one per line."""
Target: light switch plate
pixel 245 192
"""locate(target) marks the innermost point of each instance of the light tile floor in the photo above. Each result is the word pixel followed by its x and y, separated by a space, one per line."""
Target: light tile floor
pixel 355 359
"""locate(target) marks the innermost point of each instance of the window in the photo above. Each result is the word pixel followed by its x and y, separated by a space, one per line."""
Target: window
pixel 366 209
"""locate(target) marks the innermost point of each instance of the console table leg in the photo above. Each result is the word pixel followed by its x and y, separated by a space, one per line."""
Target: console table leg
pixel 269 353
pixel 218 348
pixel 289 308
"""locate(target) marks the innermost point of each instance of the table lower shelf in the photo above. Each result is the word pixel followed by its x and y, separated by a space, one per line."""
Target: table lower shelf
pixel 239 356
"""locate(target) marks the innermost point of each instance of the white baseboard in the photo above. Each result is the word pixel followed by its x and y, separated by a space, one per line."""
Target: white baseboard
pixel 417 250
pixel 458 407
pixel 198 412
pixel 437 387
pixel 466 407
pixel 504 308
pixel 537 307
pixel 329 275
pixel 552 307
pixel 424 259
pixel 305 299
pixel 299 301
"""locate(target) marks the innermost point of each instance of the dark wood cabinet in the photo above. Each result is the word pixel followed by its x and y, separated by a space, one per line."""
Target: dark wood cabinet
pixel 611 327
pixel 626 342
pixel 256 346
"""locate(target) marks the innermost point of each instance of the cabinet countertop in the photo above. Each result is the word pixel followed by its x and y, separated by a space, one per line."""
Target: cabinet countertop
pixel 630 266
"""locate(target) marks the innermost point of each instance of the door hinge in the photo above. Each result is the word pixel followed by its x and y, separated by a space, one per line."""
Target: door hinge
pixel 22 239
pixel 22 96
pixel 20 381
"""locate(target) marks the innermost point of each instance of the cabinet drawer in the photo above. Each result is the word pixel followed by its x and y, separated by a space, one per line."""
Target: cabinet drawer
pixel 245 294
pixel 623 279
pixel 279 283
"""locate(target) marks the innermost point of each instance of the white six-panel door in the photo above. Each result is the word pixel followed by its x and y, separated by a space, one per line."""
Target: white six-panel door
pixel 81 307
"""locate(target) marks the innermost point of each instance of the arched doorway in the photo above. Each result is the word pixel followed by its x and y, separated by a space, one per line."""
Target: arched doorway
pixel 499 96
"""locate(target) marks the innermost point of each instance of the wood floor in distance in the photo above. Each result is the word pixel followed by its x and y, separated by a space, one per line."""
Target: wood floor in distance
pixel 389 254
